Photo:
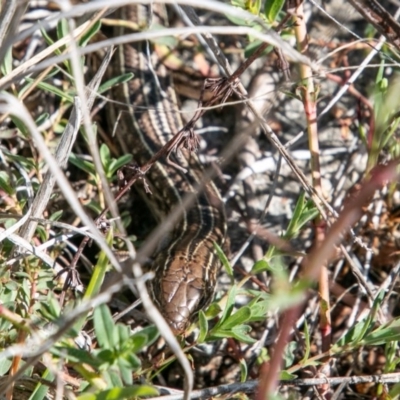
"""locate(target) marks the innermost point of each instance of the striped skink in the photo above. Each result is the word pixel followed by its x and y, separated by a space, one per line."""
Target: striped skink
pixel 186 268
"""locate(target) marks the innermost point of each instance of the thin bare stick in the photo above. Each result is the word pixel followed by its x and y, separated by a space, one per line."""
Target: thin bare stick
pixel 251 386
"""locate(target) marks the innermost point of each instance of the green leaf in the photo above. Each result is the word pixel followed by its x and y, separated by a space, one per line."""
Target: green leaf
pixel 379 75
pixel 288 356
pixel 253 46
pixel 42 232
pixel 308 215
pixel 386 104
pixel 84 40
pixel 41 390
pixel 203 323
pixel 394 391
pixel 8 223
pixel 239 21
pixel 259 310
pixel 4 183
pixel 59 127
pixel 358 332
pixel 151 333
pixel 260 266
pixel 243 370
pixel 297 212
pixel 114 378
pixel 99 271
pixel 83 165
pixel 132 361
pixel 76 356
pixel 238 332
pixel 230 302
pixel 125 370
pixel 304 212
pixel 52 306
pixel 120 335
pixel 307 343
pixel 224 259
pixel 384 334
pixel 20 126
pixel 62 28
pixel 272 9
pixel 284 299
pixel 7 134
pixel 352 334
pixel 41 119
pixel 9 292
pixel 106 358
pixel 117 80
pixel 49 40
pixel 56 215
pixel 371 316
pixel 120 393
pixel 239 317
pixel 213 310
pixel 105 156
pixel 115 165
pixel 253 6
pixel 6 65
pixel 165 40
pixel 5 365
pixel 287 376
pixel 47 87
pixel 94 206
pixel 241 333
pixel 104 326
pixel 124 334
pixel 135 343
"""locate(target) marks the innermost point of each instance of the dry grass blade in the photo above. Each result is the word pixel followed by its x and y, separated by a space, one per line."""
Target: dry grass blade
pixel 77 200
